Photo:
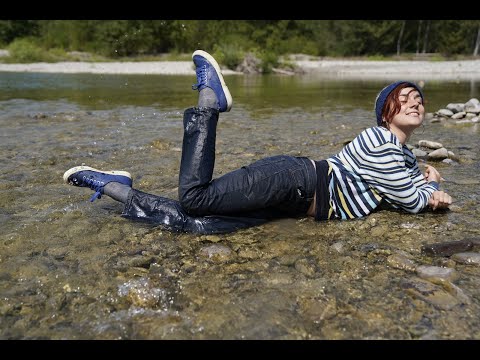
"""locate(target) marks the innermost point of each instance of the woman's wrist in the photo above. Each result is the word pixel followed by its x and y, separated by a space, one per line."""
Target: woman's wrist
pixel 434 183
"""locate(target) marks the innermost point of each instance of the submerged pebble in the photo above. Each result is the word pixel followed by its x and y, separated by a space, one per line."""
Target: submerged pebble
pixel 436 274
pixel 430 293
pixel 216 252
pixel 467 258
pixel 141 292
pixel 398 261
pixel 446 248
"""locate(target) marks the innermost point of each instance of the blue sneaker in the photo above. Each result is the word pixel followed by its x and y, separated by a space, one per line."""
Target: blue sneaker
pixel 210 75
pixel 85 176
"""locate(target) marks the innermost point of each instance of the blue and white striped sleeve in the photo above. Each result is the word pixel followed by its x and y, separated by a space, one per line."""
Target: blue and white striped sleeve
pixel 381 164
pixel 417 177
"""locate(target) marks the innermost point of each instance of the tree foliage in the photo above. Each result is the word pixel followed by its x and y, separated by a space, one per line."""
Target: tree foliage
pixel 122 38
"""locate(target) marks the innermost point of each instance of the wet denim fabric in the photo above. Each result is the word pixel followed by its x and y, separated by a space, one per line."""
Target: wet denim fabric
pixel 270 188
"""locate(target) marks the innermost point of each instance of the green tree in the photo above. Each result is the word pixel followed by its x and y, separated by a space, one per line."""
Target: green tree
pixel 458 36
pixel 12 29
pixel 67 34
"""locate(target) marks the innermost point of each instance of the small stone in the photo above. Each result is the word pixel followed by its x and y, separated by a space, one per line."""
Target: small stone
pixel 339 247
pixel 213 238
pixel 446 248
pixel 467 258
pixel 473 109
pixel 430 144
pixel 438 154
pixel 456 107
pixel 419 153
pixel 142 293
pixel 398 261
pixel 430 293
pixel 445 112
pixel 472 102
pixel 463 121
pixel 459 115
pixel 216 252
pixel 457 292
pixel 436 274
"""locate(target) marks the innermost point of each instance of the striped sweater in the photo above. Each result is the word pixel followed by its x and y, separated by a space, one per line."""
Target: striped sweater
pixel 375 166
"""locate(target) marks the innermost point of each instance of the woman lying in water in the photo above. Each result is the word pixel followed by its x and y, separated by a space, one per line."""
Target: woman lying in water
pixel 376 167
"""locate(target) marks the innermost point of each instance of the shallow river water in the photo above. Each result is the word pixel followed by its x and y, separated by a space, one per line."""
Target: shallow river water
pixel 71 269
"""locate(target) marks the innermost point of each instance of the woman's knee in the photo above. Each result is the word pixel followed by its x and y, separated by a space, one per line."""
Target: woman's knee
pixel 193 202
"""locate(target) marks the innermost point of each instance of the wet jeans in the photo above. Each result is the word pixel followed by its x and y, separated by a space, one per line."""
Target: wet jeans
pixel 270 188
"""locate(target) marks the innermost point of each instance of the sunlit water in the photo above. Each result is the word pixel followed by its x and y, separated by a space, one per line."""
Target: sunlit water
pixel 71 269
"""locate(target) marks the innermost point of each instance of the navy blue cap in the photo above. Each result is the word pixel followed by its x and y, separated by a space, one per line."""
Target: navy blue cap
pixel 382 97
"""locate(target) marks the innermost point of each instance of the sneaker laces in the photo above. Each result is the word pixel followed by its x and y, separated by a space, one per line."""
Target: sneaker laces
pixel 201 77
pixel 94 185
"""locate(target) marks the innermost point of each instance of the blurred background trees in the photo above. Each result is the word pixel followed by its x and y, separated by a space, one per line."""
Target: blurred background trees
pixel 50 40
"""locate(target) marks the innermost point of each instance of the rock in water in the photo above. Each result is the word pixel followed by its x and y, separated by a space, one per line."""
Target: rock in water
pixel 447 248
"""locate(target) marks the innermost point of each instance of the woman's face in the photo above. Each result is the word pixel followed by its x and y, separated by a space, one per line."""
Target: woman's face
pixel 411 111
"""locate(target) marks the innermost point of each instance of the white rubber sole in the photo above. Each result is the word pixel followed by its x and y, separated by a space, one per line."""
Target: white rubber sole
pixel 75 169
pixel 212 61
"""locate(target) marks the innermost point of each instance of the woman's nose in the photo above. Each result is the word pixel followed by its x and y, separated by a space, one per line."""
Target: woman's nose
pixel 414 102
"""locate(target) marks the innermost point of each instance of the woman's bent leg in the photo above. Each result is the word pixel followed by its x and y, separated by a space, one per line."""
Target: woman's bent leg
pixel 285 182
pixel 198 153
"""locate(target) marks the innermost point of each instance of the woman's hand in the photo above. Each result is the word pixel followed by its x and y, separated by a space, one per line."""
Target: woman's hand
pixel 439 200
pixel 432 174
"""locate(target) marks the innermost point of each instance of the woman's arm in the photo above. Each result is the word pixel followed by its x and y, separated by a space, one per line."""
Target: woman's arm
pixel 382 166
pixel 439 199
pixel 377 158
